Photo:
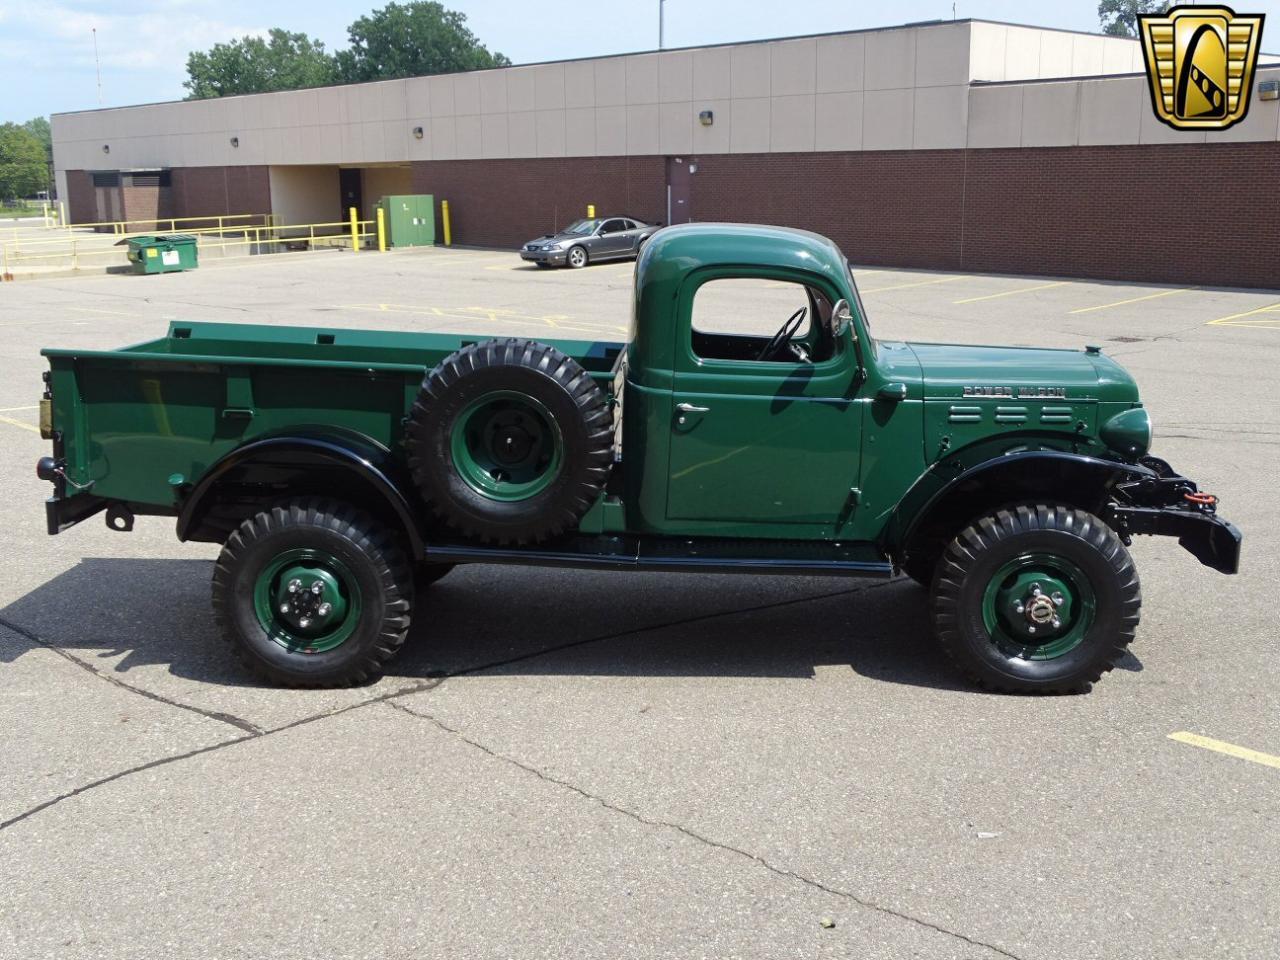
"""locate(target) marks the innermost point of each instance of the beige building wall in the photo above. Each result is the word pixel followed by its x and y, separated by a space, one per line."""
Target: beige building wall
pixel 912 87
pixel 304 194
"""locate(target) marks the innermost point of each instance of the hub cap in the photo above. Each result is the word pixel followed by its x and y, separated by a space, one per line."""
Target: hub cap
pixel 506 446
pixel 1038 607
pixel 307 601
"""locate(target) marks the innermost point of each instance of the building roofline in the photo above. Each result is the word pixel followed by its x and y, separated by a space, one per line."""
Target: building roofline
pixel 634 53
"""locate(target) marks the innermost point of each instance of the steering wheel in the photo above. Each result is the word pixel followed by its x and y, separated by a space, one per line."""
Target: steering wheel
pixel 784 334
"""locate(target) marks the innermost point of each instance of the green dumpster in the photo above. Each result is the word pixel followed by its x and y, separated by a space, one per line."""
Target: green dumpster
pixel 162 253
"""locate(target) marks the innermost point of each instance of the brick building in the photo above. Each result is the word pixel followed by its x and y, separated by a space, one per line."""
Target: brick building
pixel 960 145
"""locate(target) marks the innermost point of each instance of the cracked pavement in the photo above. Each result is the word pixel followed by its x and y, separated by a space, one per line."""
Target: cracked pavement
pixel 581 764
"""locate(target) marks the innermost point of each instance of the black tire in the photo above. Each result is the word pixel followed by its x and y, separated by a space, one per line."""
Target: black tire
pixel 367 555
pixel 577 257
pixel 965 586
pixel 571 409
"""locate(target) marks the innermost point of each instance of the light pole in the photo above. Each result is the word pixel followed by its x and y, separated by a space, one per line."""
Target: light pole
pixel 661 22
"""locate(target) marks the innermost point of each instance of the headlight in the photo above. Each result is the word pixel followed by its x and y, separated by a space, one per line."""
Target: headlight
pixel 1128 433
pixel 551 246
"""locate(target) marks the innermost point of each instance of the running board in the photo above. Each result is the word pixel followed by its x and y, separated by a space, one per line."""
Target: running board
pixel 672 554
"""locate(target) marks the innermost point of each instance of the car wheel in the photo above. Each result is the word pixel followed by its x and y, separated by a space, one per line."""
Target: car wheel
pixel 578 257
pixel 1037 598
pixel 313 593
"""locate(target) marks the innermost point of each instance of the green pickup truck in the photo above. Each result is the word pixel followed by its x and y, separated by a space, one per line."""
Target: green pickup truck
pixel 343 471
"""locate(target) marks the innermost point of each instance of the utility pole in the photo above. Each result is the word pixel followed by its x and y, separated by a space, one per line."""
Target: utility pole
pixel 97 64
pixel 661 23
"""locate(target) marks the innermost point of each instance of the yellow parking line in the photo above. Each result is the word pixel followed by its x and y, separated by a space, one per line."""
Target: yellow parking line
pixel 19 423
pixel 901 286
pixel 1247 313
pixel 1230 749
pixel 1120 303
pixel 1010 293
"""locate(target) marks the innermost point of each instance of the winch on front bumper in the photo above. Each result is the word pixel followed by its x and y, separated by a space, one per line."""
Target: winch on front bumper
pixel 1164 503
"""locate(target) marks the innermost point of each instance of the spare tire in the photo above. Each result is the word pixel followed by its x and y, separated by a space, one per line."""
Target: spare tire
pixel 510 441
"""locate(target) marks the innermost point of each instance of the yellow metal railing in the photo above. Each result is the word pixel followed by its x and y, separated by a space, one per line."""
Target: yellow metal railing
pixel 96 250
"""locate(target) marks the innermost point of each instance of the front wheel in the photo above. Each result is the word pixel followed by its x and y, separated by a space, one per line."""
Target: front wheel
pixel 313 593
pixel 578 257
pixel 1036 598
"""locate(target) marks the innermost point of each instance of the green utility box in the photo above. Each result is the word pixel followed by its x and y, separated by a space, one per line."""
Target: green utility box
pixel 410 220
pixel 168 253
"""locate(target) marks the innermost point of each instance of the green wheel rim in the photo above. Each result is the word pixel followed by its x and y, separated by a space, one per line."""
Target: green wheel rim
pixel 1038 607
pixel 307 601
pixel 506 446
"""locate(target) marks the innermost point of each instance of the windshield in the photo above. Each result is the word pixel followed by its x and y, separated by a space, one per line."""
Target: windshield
pixel 582 227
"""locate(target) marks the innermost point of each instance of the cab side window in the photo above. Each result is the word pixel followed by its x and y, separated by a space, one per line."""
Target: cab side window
pixel 758 320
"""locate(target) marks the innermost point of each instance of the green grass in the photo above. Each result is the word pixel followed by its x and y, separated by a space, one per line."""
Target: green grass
pixel 22 210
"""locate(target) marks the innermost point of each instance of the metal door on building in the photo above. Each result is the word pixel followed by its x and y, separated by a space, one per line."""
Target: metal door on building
pixel 350 183
pixel 679 183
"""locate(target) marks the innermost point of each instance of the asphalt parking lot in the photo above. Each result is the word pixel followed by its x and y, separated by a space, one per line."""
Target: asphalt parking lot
pixel 568 764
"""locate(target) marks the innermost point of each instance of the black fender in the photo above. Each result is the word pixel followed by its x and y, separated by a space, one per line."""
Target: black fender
pixel 965 485
pixel 348 462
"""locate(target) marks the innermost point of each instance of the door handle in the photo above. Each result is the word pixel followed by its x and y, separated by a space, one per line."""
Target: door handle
pixel 687 408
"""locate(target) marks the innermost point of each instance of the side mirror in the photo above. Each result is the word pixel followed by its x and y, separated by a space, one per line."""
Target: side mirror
pixel 841 318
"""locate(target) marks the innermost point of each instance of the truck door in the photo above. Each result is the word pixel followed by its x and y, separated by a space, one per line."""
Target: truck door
pixel 764 428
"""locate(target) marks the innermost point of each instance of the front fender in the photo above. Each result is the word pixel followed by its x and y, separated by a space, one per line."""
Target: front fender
pixel 958 486
pixel 301 460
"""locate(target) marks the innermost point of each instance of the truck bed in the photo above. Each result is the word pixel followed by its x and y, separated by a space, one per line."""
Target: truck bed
pixel 142 422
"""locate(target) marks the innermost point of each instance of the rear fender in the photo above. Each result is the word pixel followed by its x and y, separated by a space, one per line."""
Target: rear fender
pixel 348 466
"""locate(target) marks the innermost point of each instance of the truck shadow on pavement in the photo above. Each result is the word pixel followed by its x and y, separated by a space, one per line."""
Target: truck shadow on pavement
pixel 120 614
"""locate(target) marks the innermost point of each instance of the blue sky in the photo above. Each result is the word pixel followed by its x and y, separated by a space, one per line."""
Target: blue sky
pixel 47 64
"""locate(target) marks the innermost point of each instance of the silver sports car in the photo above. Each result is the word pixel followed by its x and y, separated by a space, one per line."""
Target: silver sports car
pixel 601 238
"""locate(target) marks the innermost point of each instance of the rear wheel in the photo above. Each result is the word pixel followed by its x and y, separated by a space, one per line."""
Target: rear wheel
pixel 1036 599
pixel 578 257
pixel 313 593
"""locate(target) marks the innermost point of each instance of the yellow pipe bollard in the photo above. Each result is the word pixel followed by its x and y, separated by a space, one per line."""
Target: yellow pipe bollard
pixel 591 211
pixel 355 231
pixel 382 231
pixel 444 220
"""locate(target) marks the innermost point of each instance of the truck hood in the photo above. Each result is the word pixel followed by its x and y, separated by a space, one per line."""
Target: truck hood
pixel 947 369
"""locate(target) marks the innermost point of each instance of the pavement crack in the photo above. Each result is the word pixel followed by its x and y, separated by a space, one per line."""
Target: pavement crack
pixel 257 734
pixel 703 839
pixel 237 722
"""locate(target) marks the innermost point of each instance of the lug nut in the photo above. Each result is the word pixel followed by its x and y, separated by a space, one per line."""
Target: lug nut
pixel 1056 623
pixel 317 588
pixel 1057 599
pixel 1035 589
pixel 304 622
pixel 284 608
pixel 1019 608
pixel 295 585
pixel 324 609
pixel 1031 629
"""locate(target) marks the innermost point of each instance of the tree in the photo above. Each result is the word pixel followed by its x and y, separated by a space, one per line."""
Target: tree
pixel 412 40
pixel 282 61
pixel 23 169
pixel 38 127
pixel 1119 18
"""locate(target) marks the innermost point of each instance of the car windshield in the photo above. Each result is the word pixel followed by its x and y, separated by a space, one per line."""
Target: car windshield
pixel 582 227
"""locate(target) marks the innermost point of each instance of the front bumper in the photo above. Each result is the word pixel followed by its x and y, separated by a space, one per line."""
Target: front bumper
pixel 1169 505
pixel 554 257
